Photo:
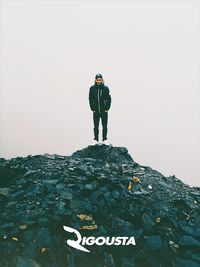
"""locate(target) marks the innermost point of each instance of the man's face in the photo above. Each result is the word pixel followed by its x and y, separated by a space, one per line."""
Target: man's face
pixel 98 80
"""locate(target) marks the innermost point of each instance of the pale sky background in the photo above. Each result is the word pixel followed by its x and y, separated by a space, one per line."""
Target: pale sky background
pixel 148 54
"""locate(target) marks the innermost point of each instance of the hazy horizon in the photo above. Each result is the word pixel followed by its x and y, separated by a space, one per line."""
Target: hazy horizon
pixel 148 54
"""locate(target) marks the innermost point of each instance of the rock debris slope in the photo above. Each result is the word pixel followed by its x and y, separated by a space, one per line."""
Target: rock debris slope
pixel 101 192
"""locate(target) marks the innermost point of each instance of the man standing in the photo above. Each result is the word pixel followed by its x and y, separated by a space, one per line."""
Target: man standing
pixel 100 102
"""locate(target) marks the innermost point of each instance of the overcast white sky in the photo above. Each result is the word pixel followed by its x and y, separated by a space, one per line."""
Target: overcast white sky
pixel 148 54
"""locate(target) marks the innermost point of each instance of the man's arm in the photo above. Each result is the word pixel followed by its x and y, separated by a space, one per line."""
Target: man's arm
pixel 91 102
pixel 108 99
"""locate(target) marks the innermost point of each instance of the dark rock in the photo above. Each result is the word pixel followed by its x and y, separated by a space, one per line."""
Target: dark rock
pixel 153 261
pixel 188 241
pixel 154 242
pixel 147 222
pixel 4 191
pixel 25 262
pixel 101 192
pixel 180 262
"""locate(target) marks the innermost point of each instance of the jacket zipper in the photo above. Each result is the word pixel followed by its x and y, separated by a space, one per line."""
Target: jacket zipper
pixel 98 101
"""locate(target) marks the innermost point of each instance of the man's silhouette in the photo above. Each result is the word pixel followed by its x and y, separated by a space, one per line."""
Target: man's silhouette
pixel 100 102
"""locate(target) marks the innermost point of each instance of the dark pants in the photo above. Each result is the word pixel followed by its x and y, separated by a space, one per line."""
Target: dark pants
pixel 104 119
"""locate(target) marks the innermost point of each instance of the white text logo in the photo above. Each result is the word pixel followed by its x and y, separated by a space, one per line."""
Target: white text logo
pixel 101 240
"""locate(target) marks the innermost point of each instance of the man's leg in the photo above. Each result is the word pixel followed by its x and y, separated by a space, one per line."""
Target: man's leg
pixel 96 117
pixel 104 119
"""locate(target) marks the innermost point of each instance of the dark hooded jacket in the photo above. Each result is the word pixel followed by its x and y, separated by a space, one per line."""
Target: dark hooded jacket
pixel 99 98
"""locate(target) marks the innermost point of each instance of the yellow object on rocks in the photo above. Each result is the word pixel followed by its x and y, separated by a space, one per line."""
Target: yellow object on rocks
pixel 85 217
pixel 136 179
pixel 88 227
pixel 129 186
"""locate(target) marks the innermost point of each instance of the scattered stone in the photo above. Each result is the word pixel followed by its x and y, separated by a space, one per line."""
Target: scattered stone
pixel 188 241
pixel 154 242
pixel 4 191
pixel 100 191
pixel 24 262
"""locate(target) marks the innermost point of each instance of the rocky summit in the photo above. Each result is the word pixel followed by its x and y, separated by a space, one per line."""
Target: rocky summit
pixel 88 209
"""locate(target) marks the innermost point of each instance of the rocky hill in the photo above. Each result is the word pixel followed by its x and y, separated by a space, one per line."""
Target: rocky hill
pixel 101 192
